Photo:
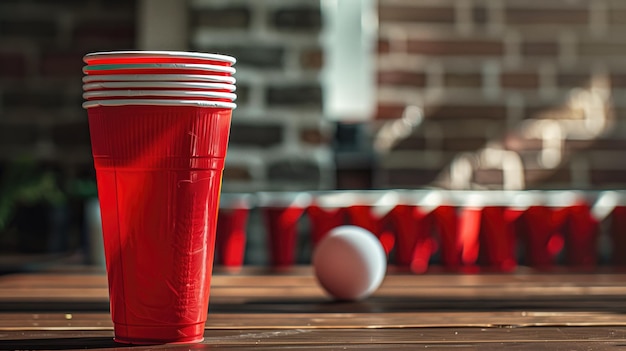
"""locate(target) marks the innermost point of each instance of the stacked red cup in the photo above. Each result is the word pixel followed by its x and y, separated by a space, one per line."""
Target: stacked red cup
pixel 159 125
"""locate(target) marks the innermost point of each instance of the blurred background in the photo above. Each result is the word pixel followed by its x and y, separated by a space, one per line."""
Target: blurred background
pixel 386 94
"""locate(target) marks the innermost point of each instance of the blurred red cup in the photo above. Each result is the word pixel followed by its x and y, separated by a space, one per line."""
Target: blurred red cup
pixel 159 170
pixel 232 223
pixel 412 220
pixel 326 211
pixel 121 57
pixel 282 213
pixel 370 211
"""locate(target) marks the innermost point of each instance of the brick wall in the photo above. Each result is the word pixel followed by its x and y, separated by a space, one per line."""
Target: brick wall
pixel 532 84
pixel 41 48
pixel 279 139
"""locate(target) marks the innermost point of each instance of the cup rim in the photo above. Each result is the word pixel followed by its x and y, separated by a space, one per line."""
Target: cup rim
pixel 156 54
pixel 158 66
pixel 157 84
pixel 158 77
pixel 165 93
pixel 159 102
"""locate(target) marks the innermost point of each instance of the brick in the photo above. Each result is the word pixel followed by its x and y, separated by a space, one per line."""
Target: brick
pixel 413 142
pixel 480 15
pixel 462 80
pixel 575 80
pixel 71 134
pixel 256 56
pixel 255 134
pixel 542 178
pixel 547 16
pixel 297 18
pixel 18 135
pixel 72 4
pixel 463 144
pixel 601 49
pixel 614 144
pixel 618 80
pixel 294 170
pixel 39 29
pixel 402 78
pixel 515 142
pixel 227 18
pixel 104 34
pixel 383 46
pixel 41 98
pixel 236 173
pixel 488 176
pixel 469 47
pixel 601 178
pixel 303 95
pixel 354 179
pixel 314 136
pixel 12 65
pixel 553 112
pixel 416 14
pixel 312 58
pixel 115 4
pixel 521 80
pixel 617 17
pixel 389 111
pixel 61 63
pixel 496 112
pixel 409 177
pixel 540 49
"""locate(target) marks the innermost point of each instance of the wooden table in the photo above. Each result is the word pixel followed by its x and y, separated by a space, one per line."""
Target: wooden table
pixel 260 310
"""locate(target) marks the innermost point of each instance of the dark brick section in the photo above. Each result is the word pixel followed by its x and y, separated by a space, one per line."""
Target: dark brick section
pixel 229 17
pixel 402 78
pixel 290 170
pixel 409 178
pixel 59 63
pixel 18 135
pixel 32 29
pixel 551 16
pixel 253 56
pixel 456 47
pixel 463 80
pixel 312 58
pixel 20 97
pixel 234 173
pixel 577 80
pixel 71 134
pixel 299 19
pixel 465 111
pixel 296 95
pixel 540 49
pixel 514 80
pixel 12 65
pixel 102 35
pixel 251 134
pixel 314 136
pixel 412 14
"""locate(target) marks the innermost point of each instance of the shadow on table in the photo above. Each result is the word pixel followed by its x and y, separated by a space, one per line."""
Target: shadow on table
pixel 65 343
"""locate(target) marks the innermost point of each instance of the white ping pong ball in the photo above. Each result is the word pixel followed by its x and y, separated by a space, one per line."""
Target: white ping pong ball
pixel 349 263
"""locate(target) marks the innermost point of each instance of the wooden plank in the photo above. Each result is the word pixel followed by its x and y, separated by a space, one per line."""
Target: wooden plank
pixel 277 321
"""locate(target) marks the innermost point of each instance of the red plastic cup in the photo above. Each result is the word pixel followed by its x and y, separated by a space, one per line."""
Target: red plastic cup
pixel 370 210
pixel 159 85
pixel 159 94
pixel 158 68
pixel 231 230
pixel 118 57
pixel 203 78
pixel 159 170
pixel 327 211
pixel 281 213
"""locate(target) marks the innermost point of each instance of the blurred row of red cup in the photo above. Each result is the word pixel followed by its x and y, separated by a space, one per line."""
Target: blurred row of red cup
pixel 464 231
pixel 163 78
